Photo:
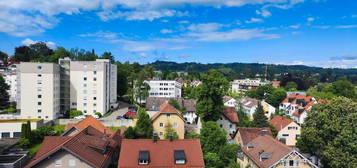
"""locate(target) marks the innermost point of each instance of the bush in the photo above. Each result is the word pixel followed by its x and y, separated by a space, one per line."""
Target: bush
pixel 99 114
pixel 23 142
pixel 75 113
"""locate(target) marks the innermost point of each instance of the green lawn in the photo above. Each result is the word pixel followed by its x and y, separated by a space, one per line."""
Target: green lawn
pixel 114 128
pixel 33 149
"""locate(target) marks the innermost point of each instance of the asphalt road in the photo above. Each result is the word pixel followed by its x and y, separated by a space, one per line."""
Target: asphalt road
pixel 123 108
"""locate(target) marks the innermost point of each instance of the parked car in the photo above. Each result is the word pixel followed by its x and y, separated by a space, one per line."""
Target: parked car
pixel 132 108
pixel 129 114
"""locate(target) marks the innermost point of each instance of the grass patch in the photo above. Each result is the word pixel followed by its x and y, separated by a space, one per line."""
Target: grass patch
pixel 19 120
pixel 33 149
pixel 108 113
pixel 114 128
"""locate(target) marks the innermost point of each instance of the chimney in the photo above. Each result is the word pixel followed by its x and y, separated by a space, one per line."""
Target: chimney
pixel 263 132
pixel 154 137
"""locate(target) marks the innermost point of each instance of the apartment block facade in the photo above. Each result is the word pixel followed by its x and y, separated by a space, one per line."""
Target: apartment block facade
pixel 39 90
pixel 93 86
pixel 164 88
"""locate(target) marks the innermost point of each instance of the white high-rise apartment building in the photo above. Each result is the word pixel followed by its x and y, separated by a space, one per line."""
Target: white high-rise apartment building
pixel 93 86
pixel 39 90
pixel 164 88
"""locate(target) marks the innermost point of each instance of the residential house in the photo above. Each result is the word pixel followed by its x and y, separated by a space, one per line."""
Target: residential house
pixel 228 120
pixel 92 85
pixel 161 153
pixel 195 83
pixel 164 88
pixel 39 90
pixel 250 105
pixel 275 84
pixel 266 152
pixel 168 115
pixel 11 128
pixel 229 101
pixel 74 128
pixel 297 106
pixel 288 130
pixel 190 116
pixel 242 85
pixel 88 148
pixel 244 135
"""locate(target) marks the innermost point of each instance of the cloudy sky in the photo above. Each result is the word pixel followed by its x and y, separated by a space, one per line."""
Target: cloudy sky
pixel 310 32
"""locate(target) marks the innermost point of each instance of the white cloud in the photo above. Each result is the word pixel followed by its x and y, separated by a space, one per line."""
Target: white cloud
pixel 205 27
pixel 184 22
pixel 336 26
pixel 143 54
pixel 254 20
pixel 166 31
pixel 140 15
pixel 294 26
pixel 30 17
pixel 232 35
pixel 310 19
pixel 101 34
pixel 29 41
pixel 263 12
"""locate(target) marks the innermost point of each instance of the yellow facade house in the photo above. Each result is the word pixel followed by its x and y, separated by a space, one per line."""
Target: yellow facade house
pixel 168 115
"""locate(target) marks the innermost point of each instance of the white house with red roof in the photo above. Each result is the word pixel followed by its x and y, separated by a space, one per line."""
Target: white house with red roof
pixel 228 120
pixel 288 130
pixel 297 105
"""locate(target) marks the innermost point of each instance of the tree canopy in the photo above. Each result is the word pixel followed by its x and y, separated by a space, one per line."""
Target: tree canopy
pixel 143 128
pixel 259 118
pixel 210 95
pixel 329 131
pixel 4 95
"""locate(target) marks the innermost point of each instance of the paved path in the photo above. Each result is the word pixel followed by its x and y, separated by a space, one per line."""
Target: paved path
pixel 111 119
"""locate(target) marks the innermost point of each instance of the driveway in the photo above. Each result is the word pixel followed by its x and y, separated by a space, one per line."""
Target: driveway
pixel 111 119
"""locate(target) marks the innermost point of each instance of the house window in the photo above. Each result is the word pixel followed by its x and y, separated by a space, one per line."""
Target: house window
pixel 58 163
pixel 94 98
pixel 180 157
pixel 285 135
pixel 85 111
pixel 94 72
pixel 297 163
pixel 39 96
pixel 39 103
pixel 144 157
pixel 72 162
pixel 94 104
pixel 84 104
pixel 297 136
pixel 39 67
pixel 39 89
pixel 39 82
pixel 39 110
pixel 168 115
pixel 175 124
pixel 95 79
pixel 85 78
pixel 5 135
pixel 39 75
pixel 291 162
pixel 17 134
pixel 84 85
pixel 161 133
pixel 230 125
pixel 221 125
pixel 161 124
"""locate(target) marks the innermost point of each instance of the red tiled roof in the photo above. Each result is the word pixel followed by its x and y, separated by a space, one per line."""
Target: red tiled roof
pixel 153 103
pixel 161 153
pixel 231 114
pixel 89 145
pixel 226 98
pixel 267 145
pixel 90 121
pixel 280 122
pixel 166 108
pixel 249 133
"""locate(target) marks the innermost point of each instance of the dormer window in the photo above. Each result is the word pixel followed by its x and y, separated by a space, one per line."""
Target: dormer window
pixel 144 157
pixel 180 157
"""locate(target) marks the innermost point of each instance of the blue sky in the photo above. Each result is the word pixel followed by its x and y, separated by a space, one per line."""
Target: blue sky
pixel 309 32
